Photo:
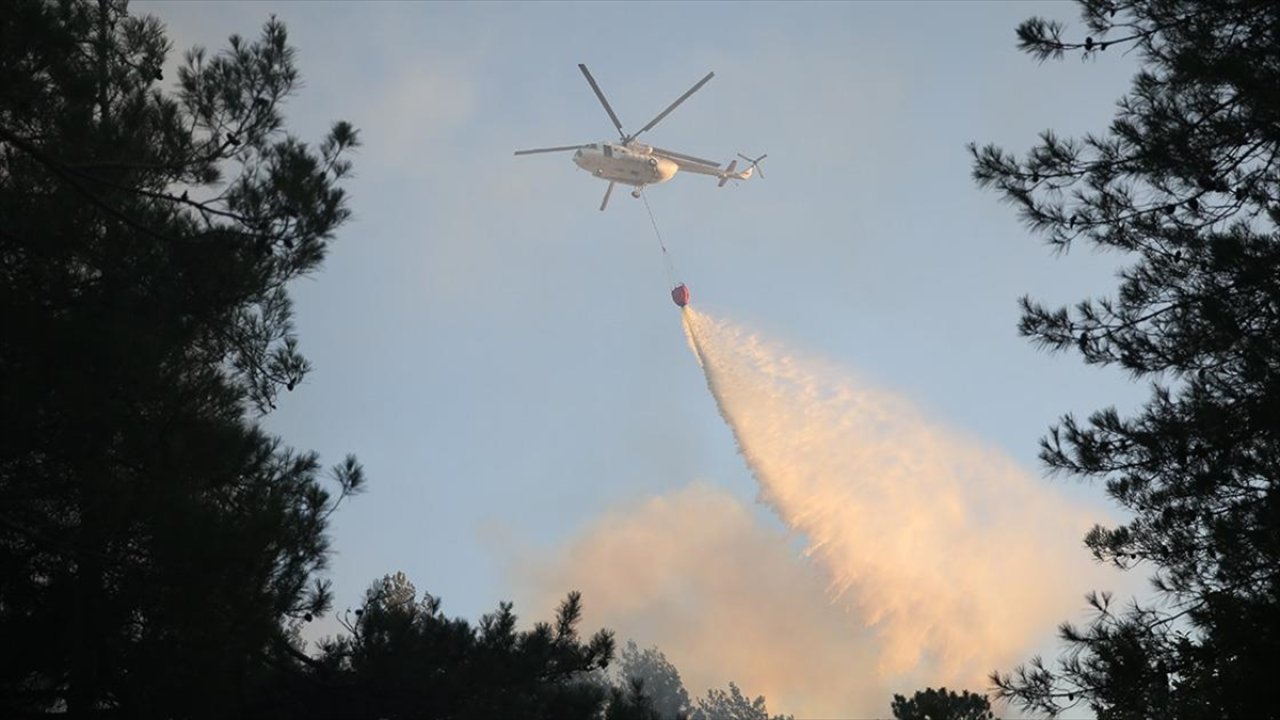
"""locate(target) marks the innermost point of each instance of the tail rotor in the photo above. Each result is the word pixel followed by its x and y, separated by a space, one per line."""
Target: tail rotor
pixel 755 164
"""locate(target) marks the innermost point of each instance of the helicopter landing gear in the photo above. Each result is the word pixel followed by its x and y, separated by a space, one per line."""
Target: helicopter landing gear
pixel 636 193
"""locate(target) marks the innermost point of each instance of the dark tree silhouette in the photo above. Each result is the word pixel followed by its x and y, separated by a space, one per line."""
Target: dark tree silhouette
pixel 403 658
pixel 1184 185
pixel 942 704
pixel 153 538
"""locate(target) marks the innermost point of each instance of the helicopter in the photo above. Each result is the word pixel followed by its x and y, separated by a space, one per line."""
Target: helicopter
pixel 630 162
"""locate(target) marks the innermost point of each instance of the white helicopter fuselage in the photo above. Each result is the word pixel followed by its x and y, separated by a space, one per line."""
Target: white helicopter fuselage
pixel 626 165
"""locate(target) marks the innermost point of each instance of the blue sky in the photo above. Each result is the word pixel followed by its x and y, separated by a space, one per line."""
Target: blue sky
pixel 505 360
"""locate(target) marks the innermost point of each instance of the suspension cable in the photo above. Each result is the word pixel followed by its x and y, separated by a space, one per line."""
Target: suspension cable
pixel 666 256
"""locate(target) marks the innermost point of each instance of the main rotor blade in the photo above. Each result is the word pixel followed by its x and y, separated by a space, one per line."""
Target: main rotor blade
pixel 682 156
pixel 612 116
pixel 562 148
pixel 675 104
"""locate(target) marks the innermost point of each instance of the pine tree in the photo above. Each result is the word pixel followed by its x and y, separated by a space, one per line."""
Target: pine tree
pixel 404 658
pixel 1185 186
pixel 941 704
pixel 658 679
pixel 153 538
pixel 733 705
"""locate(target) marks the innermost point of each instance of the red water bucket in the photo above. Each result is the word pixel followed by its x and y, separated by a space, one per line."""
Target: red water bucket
pixel 680 295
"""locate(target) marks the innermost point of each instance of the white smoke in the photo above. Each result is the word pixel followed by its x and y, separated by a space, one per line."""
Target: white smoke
pixel 724 598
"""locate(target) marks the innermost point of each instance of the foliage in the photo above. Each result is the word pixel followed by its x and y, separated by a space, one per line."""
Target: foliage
pixel 1185 184
pixel 942 704
pixel 153 538
pixel 733 705
pixel 649 673
pixel 649 688
pixel 403 658
pixel 631 701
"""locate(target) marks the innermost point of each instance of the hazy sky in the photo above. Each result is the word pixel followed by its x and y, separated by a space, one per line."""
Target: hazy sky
pixel 505 360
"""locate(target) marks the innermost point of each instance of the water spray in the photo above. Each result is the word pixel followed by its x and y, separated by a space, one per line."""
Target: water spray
pixel 948 551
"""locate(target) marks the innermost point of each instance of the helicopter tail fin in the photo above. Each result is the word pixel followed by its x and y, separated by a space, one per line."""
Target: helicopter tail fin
pixel 729 174
pixel 732 172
